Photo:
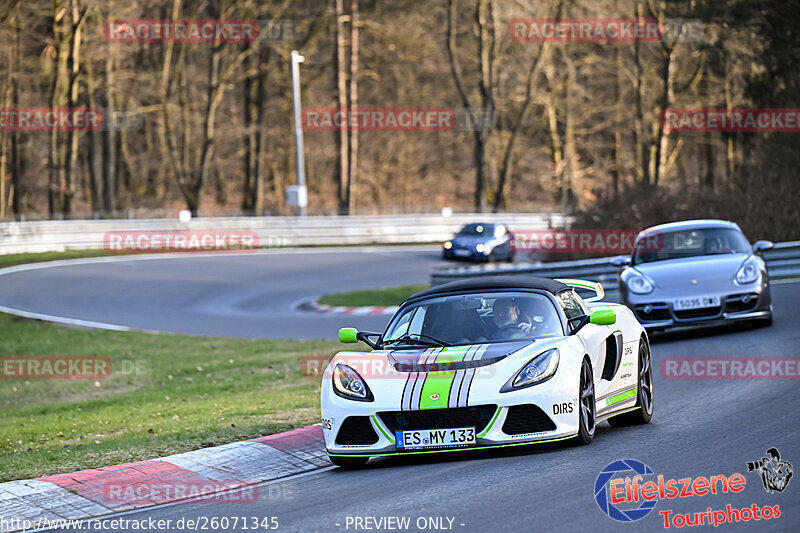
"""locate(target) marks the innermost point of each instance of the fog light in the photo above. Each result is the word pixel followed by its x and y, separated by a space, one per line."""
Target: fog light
pixel 647 309
pixel 746 299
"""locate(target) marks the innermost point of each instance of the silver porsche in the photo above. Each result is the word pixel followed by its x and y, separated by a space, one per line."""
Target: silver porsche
pixel 697 272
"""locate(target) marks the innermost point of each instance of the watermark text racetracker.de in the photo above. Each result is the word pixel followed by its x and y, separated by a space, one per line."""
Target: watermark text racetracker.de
pixel 584 241
pixel 200 523
pixel 222 241
pixel 397 119
pixel 785 120
pixel 68 119
pixel 605 30
pixel 156 31
pixel 69 367
pixel 730 367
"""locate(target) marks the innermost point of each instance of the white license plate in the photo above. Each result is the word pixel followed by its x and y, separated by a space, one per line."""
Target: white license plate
pixel 462 253
pixel 435 438
pixel 701 302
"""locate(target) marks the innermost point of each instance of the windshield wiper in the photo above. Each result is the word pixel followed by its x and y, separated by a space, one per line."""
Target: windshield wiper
pixel 423 339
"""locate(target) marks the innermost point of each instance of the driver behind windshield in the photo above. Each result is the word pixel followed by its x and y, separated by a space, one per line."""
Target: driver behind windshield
pixel 509 319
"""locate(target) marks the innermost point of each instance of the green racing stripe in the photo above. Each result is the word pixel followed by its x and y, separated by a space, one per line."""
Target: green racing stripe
pixel 621 397
pixel 436 389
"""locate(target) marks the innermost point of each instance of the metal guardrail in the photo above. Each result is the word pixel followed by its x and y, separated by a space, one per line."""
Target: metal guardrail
pixel 783 262
pixel 58 236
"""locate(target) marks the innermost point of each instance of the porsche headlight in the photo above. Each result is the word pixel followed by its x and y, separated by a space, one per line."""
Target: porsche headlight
pixel 540 368
pixel 447 245
pixel 638 284
pixel 348 384
pixel 748 273
pixel 481 248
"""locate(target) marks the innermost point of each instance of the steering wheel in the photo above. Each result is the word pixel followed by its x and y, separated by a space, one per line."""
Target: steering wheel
pixel 507 331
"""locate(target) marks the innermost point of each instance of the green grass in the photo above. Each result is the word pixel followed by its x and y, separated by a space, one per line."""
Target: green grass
pixel 19 259
pixel 188 393
pixel 382 297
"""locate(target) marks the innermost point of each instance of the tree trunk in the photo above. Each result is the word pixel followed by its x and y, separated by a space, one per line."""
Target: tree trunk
pixel 343 139
pixel 486 86
pixel 659 147
pixel 73 137
pixel 108 139
pixel 58 97
pixel 570 199
pixel 616 150
pixel 639 140
pixel 352 180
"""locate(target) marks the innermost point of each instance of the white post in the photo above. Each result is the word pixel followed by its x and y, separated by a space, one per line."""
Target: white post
pixel 298 133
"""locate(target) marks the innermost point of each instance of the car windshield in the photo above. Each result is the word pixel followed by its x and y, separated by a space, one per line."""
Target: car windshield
pixel 689 243
pixel 475 318
pixel 475 229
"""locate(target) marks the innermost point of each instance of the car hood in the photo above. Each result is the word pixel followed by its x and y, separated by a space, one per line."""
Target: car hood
pixel 453 357
pixel 470 240
pixel 700 270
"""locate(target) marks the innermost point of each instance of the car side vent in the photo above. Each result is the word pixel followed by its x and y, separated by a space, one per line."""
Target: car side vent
pixel 613 356
pixel 357 430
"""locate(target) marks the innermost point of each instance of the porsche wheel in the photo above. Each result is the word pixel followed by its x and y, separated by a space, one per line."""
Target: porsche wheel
pixel 586 412
pixel 348 462
pixel 644 395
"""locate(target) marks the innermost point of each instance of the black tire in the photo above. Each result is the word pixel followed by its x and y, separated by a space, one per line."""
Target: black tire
pixel 644 395
pixel 587 419
pixel 510 257
pixel 348 462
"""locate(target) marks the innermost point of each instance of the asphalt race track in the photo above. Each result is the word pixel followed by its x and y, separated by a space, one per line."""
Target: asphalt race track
pixel 226 295
pixel 700 428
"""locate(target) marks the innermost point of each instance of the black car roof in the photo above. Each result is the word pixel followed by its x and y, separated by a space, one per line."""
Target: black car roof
pixel 494 282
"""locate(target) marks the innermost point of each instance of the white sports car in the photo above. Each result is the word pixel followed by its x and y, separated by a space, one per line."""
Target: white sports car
pixel 496 361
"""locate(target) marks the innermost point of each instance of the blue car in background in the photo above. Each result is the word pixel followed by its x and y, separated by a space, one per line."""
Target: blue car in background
pixel 481 242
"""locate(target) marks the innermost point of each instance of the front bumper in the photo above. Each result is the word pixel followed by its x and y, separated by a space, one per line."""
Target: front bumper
pixel 490 434
pixel 737 304
pixel 465 254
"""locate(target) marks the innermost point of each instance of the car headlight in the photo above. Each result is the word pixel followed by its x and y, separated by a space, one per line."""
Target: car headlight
pixel 540 368
pixel 748 273
pixel 447 245
pixel 638 284
pixel 348 384
pixel 481 248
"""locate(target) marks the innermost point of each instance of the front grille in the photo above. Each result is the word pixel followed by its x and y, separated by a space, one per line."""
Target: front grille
pixel 527 418
pixel 357 430
pixel 478 417
pixel 706 312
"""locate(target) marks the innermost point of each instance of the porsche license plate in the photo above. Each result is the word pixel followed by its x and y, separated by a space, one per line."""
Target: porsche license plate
pixel 700 302
pixel 462 253
pixel 435 438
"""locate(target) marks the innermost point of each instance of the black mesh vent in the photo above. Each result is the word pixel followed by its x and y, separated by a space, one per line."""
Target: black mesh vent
pixel 736 305
pixel 478 417
pixel 526 418
pixel 705 312
pixel 659 312
pixel 357 430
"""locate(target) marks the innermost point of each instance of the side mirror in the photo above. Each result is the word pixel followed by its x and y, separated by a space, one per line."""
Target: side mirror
pixel 352 336
pixel 348 335
pixel 605 317
pixel 762 246
pixel 621 261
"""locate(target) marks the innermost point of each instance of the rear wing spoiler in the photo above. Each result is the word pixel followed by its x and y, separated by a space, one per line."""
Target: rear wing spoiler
pixel 588 285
